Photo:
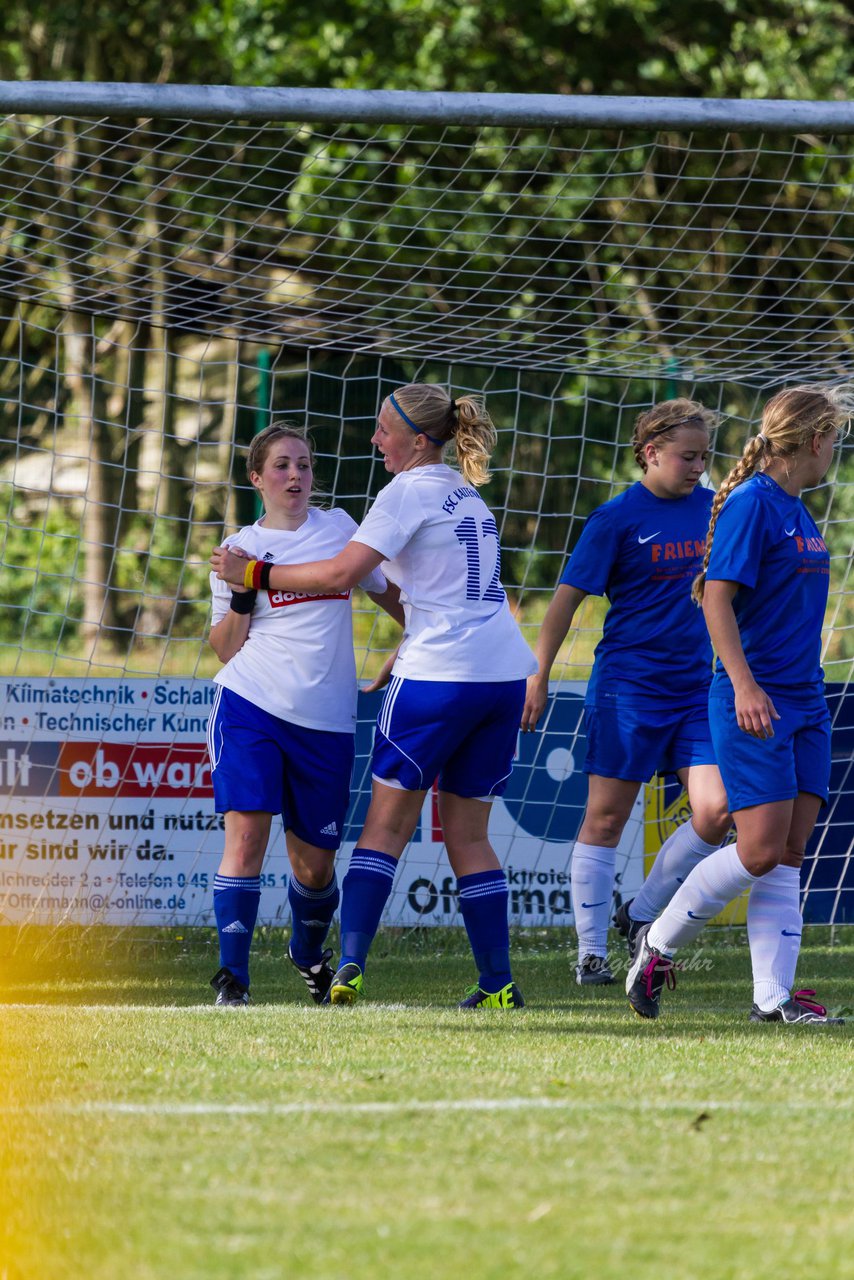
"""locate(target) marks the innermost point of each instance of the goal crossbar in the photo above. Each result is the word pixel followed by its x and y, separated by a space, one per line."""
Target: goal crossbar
pixel 392 106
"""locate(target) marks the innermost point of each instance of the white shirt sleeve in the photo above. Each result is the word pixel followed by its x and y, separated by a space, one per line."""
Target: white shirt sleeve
pixel 221 591
pixel 220 599
pixel 392 521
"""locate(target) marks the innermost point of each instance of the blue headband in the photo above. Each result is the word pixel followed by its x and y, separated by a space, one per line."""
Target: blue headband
pixel 418 430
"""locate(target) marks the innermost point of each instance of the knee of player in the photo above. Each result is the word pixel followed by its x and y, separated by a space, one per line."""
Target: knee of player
pixel 760 859
pixel 313 875
pixel 247 850
pixel 602 827
pixel 712 820
pixel 793 857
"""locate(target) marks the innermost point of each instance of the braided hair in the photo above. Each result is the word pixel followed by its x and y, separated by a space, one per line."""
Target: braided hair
pixel 790 419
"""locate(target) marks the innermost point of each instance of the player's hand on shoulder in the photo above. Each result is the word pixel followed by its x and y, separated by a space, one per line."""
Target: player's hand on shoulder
pixel 755 712
pixel 536 697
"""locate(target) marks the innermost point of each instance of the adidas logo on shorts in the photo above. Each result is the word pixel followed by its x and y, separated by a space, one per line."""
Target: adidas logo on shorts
pixel 268 555
pixel 331 829
pixel 235 927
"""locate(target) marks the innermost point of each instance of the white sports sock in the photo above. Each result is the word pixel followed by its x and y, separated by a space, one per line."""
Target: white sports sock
pixel 674 862
pixel 713 883
pixel 774 931
pixel 591 888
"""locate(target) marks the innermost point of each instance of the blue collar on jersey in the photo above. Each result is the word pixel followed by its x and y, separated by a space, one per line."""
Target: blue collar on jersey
pixel 419 431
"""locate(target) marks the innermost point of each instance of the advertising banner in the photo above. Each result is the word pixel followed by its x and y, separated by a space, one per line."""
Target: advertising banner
pixel 106 812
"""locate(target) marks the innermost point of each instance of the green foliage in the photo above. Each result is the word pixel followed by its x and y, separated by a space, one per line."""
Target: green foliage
pixel 40 554
pixel 163 574
pixel 581 263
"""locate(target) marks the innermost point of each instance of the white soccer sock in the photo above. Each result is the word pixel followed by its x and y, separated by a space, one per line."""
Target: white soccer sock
pixel 774 931
pixel 713 883
pixel 592 888
pixel 674 862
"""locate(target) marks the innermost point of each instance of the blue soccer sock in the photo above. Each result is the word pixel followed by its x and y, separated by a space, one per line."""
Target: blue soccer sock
pixel 311 915
pixel 236 900
pixel 365 891
pixel 483 904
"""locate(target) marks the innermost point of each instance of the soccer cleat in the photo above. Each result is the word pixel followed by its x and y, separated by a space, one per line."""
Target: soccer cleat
pixel 593 971
pixel 346 985
pixel 509 997
pixel 317 977
pixel 799 1008
pixel 647 975
pixel 230 991
pixel 625 925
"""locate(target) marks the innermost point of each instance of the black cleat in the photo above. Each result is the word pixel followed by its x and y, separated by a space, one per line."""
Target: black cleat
pixel 317 977
pixel 230 991
pixel 629 928
pixel 797 1010
pixel 593 971
pixel 648 973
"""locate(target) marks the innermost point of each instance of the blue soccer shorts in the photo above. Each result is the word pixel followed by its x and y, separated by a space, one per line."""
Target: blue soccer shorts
pixel 463 734
pixel 762 770
pixel 260 763
pixel 632 743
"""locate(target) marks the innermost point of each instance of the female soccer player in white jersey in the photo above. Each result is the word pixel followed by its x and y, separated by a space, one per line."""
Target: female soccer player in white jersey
pixel 281 731
pixel 764 590
pixel 646 703
pixel 452 707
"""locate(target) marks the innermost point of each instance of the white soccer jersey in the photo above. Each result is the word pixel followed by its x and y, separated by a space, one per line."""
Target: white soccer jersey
pixel 441 544
pixel 297 662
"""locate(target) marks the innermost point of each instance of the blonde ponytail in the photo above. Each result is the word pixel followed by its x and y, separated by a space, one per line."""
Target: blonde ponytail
pixel 466 422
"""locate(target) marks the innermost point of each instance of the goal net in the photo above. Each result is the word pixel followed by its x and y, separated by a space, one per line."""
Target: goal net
pixel 170 286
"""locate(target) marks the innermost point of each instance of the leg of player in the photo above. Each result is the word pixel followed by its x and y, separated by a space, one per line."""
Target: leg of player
pixel 682 851
pixel 391 820
pixel 763 835
pixel 484 897
pixel 594 861
pixel 237 893
pixel 313 896
pixel 774 925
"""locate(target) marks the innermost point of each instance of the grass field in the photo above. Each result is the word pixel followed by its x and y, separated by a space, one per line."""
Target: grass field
pixel 147 1134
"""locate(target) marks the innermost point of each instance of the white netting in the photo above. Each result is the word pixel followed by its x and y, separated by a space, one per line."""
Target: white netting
pixel 165 288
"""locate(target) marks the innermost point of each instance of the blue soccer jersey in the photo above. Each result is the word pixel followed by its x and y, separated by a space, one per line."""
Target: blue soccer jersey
pixel 767 542
pixel 643 552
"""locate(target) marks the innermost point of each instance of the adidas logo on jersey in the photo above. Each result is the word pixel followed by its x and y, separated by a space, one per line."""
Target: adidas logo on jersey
pixel 331 829
pixel 268 555
pixel 235 927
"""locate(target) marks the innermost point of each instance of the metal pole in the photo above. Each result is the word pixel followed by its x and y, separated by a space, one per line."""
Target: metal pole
pixel 386 106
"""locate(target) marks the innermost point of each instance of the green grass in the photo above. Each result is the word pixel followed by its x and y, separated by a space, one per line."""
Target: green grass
pixel 696 1146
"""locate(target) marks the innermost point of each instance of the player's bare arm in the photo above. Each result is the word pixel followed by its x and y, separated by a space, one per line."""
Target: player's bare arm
pixel 753 708
pixel 340 573
pixel 553 632
pixel 228 636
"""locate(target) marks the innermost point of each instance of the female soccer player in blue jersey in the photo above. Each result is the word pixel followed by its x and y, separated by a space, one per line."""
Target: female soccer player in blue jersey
pixel 646 703
pixel 452 707
pixel 763 589
pixel 281 732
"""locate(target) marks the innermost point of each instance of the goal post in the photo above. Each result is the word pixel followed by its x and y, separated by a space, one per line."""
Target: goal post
pixel 181 264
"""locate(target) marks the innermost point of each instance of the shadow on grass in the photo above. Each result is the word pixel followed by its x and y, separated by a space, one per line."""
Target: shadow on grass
pixel 74 965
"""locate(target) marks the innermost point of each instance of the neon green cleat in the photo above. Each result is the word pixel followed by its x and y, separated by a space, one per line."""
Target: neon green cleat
pixel 509 997
pixel 346 985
